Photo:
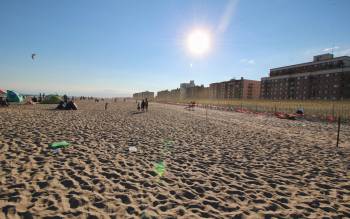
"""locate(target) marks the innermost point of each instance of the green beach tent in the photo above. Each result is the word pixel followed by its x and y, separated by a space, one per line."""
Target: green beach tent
pixel 52 99
pixel 14 97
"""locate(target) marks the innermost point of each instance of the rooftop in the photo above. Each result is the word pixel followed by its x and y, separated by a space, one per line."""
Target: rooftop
pixel 316 61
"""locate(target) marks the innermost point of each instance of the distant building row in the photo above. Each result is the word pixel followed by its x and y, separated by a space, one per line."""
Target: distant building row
pixel 143 95
pixel 241 89
pixel 325 77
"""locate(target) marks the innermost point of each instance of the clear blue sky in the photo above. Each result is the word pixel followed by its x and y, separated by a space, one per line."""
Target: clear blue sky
pixel 115 48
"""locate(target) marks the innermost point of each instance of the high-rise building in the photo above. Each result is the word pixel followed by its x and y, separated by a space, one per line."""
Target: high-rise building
pixel 183 88
pixel 167 95
pixel 196 92
pixel 325 77
pixel 235 89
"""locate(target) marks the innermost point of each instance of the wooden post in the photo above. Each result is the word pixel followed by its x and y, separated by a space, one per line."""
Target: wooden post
pixel 339 120
pixel 206 119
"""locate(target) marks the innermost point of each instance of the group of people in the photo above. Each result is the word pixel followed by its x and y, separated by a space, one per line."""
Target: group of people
pixel 143 105
pixel 86 98
pixel 41 98
pixel 67 104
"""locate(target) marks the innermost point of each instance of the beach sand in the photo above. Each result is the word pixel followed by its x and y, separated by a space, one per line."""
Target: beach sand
pixel 219 165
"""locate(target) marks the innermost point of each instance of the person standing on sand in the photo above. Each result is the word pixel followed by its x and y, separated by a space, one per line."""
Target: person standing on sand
pixel 106 105
pixel 65 98
pixel 146 105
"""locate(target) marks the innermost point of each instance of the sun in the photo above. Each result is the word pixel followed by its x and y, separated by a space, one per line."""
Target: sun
pixel 199 42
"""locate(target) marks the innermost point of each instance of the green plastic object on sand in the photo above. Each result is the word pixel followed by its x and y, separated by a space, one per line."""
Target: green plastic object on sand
pixel 60 144
pixel 160 168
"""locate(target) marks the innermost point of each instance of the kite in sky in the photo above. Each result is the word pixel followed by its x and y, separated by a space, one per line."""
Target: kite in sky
pixel 33 55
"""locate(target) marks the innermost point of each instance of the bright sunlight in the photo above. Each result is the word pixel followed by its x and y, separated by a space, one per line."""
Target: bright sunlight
pixel 199 42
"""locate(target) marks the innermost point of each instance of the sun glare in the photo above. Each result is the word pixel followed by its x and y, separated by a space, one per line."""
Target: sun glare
pixel 198 42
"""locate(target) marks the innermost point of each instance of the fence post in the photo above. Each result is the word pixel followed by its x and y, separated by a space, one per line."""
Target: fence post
pixel 338 131
pixel 206 119
pixel 206 113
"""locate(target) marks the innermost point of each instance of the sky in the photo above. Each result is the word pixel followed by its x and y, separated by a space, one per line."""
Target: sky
pixel 116 48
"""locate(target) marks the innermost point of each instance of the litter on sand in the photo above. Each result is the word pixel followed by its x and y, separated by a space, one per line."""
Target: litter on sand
pixel 132 149
pixel 160 168
pixel 56 151
pixel 59 144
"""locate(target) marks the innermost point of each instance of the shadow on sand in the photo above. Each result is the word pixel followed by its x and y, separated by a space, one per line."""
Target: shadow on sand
pixel 136 112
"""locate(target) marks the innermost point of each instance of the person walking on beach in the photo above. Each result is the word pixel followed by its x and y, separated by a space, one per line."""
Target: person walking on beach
pixel 143 105
pixel 146 105
pixel 138 106
pixel 106 105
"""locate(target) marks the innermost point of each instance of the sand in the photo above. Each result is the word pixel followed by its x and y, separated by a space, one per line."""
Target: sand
pixel 217 165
